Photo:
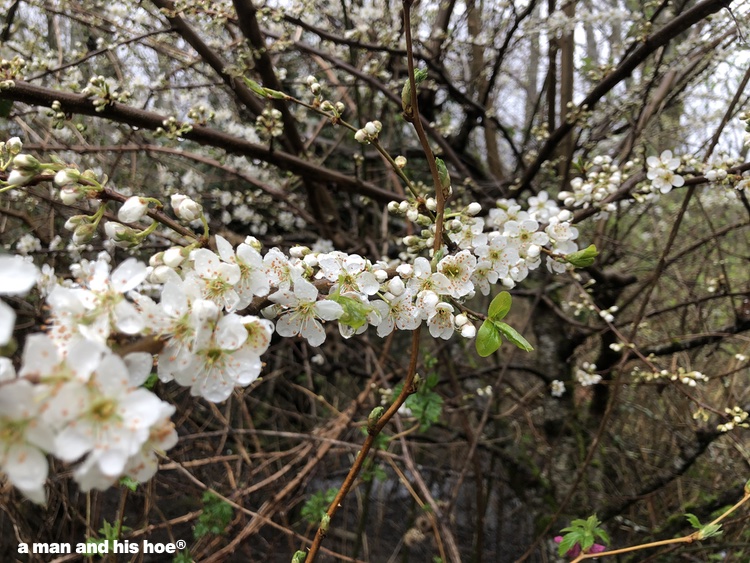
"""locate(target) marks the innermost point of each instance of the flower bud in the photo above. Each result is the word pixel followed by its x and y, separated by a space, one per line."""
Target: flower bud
pixel 361 136
pixel 83 233
pixel 75 221
pixel 370 129
pixel 14 145
pixel 473 208
pixel 468 330
pixel 70 195
pixel 174 256
pixel 396 286
pixel 185 208
pixel 67 176
pixel 132 210
pixel 26 162
pixel 400 161
pixel 19 178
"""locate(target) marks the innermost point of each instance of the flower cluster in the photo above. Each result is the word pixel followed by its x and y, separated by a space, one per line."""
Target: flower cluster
pixel 89 402
pixel 87 405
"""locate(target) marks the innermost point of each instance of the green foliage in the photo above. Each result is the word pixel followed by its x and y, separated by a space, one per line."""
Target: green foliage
pixel 150 382
pixel 707 531
pixel 582 533
pixel 216 516
pixel 419 77
pixel 489 335
pixel 425 405
pixel 317 505
pixel 299 557
pixel 129 482
pixel 183 557
pixel 108 534
pixel 583 258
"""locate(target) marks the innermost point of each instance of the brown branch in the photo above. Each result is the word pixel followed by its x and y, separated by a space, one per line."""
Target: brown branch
pixel 134 117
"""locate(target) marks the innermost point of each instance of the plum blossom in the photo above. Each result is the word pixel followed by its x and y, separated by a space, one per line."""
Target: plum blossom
pixel 302 311
pixel 441 321
pixel 661 172
pixel 456 273
pixel 216 278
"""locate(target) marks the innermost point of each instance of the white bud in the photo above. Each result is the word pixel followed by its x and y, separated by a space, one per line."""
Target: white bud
pixel 173 257
pixel 70 195
pixel 361 136
pixel 533 251
pixel 396 286
pixel 392 207
pixel 132 210
pixel 461 319
pixel 18 178
pixel 380 275
pixel 473 208
pixel 400 161
pixel 468 330
pixel 403 206
pixel 14 145
pixel 405 270
pixel 185 208
pixel 371 129
pixel 412 214
pixel 25 162
pixel 66 176
pixel 431 203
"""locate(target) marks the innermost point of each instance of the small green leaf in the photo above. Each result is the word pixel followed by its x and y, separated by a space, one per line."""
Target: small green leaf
pixel 299 556
pixel 694 522
pixel 129 482
pixel 514 336
pixel 500 306
pixel 255 87
pixel 419 76
pixel 583 258
pixel 710 531
pixel 488 339
pixel 275 94
pixel 445 177
pixel 355 312
pixel 568 542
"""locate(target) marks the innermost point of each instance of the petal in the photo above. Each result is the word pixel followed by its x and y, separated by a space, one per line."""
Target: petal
pixel 128 275
pixel 7 323
pixel 17 276
pixel 328 310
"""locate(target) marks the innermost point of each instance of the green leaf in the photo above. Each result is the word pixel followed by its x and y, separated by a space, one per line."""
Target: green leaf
pixel 299 557
pixel 694 522
pixel 355 312
pixel 443 174
pixel 710 531
pixel 500 306
pixel 488 339
pixel 583 258
pixel 129 482
pixel 419 76
pixel 568 542
pixel 255 87
pixel 514 336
